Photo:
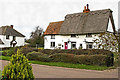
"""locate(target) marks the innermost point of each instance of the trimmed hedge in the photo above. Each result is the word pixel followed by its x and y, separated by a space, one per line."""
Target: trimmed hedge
pixel 80 59
pixel 38 56
pixel 76 51
pixel 109 54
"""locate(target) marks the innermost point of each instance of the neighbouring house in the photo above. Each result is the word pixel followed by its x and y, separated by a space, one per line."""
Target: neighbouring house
pixel 78 30
pixel 9 37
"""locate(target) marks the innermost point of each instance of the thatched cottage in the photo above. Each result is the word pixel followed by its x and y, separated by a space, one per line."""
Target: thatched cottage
pixel 78 30
pixel 9 37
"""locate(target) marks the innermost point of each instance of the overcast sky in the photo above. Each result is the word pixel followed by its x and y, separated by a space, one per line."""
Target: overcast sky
pixel 25 15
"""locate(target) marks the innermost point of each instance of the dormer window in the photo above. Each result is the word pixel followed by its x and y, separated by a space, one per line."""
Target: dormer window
pixel 73 35
pixel 89 35
pixel 7 36
pixel 52 36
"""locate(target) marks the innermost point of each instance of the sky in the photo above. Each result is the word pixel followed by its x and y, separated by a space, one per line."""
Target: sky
pixel 25 15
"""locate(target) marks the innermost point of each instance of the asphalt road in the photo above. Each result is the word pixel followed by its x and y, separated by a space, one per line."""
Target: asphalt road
pixel 43 71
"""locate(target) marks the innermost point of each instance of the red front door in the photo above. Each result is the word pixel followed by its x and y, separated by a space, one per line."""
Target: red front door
pixel 66 45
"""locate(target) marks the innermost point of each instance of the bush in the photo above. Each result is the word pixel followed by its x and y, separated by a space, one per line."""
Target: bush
pixel 26 50
pixel 109 54
pixel 62 57
pixel 80 59
pixel 77 52
pixel 9 52
pixel 92 59
pixel 18 68
pixel 38 56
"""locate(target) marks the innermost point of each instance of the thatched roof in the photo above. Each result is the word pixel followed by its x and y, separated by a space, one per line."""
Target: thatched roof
pixel 53 28
pixel 91 22
pixel 7 30
pixel 82 23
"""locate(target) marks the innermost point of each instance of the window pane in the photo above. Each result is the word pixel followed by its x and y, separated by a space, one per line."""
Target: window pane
pixel 52 36
pixel 7 36
pixel 73 45
pixel 89 35
pixel 52 44
pixel 73 35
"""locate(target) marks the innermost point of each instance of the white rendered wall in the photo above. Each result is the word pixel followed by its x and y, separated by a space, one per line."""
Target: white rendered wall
pixel 110 29
pixel 60 39
pixel 20 41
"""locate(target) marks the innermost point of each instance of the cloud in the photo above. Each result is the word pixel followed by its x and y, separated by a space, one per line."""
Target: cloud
pixel 27 14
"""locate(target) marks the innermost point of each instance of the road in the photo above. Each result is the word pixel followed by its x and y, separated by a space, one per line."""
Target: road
pixel 43 71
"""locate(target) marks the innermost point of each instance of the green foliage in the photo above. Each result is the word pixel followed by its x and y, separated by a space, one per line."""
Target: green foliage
pixel 18 68
pixel 71 65
pixel 0 74
pixel 38 56
pixel 36 38
pixel 81 59
pixel 109 54
pixel 77 52
pixel 26 50
pixel 9 51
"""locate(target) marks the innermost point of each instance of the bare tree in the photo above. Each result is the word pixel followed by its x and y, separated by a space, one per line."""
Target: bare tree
pixel 38 32
pixel 36 38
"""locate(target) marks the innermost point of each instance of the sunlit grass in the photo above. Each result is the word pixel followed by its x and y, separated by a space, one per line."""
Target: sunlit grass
pixel 61 64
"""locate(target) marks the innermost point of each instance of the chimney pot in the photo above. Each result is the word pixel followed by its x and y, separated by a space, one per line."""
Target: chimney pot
pixel 84 9
pixel 87 6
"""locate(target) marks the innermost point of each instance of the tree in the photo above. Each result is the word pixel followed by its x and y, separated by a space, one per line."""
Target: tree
pixel 107 41
pixel 38 32
pixel 18 68
pixel 36 38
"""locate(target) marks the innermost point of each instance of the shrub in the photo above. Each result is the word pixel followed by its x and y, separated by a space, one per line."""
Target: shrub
pixel 109 54
pixel 9 51
pixel 38 56
pixel 18 68
pixel 26 50
pixel 91 59
pixel 62 57
pixel 77 52
pixel 80 59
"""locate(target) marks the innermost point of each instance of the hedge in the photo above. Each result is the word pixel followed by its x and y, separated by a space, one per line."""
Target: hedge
pixel 109 54
pixel 38 56
pixel 100 60
pixel 97 59
pixel 76 51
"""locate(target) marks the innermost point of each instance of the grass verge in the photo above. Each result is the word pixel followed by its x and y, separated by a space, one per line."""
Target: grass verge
pixel 0 74
pixel 61 64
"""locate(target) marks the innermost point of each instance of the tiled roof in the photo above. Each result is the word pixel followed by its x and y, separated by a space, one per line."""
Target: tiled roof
pixel 53 28
pixel 7 30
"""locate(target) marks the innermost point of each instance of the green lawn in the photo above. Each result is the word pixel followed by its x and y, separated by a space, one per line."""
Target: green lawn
pixel 61 64
pixel 0 74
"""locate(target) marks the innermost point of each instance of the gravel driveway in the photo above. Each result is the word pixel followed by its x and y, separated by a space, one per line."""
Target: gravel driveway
pixel 43 71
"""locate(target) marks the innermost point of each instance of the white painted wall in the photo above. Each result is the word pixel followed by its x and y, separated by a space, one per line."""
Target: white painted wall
pixel 110 29
pixel 61 39
pixel 20 41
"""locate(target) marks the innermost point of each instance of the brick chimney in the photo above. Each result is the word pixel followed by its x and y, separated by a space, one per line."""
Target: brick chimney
pixel 11 26
pixel 86 10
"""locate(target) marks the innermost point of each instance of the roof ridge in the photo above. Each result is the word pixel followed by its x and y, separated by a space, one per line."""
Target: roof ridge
pixel 57 22
pixel 90 11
